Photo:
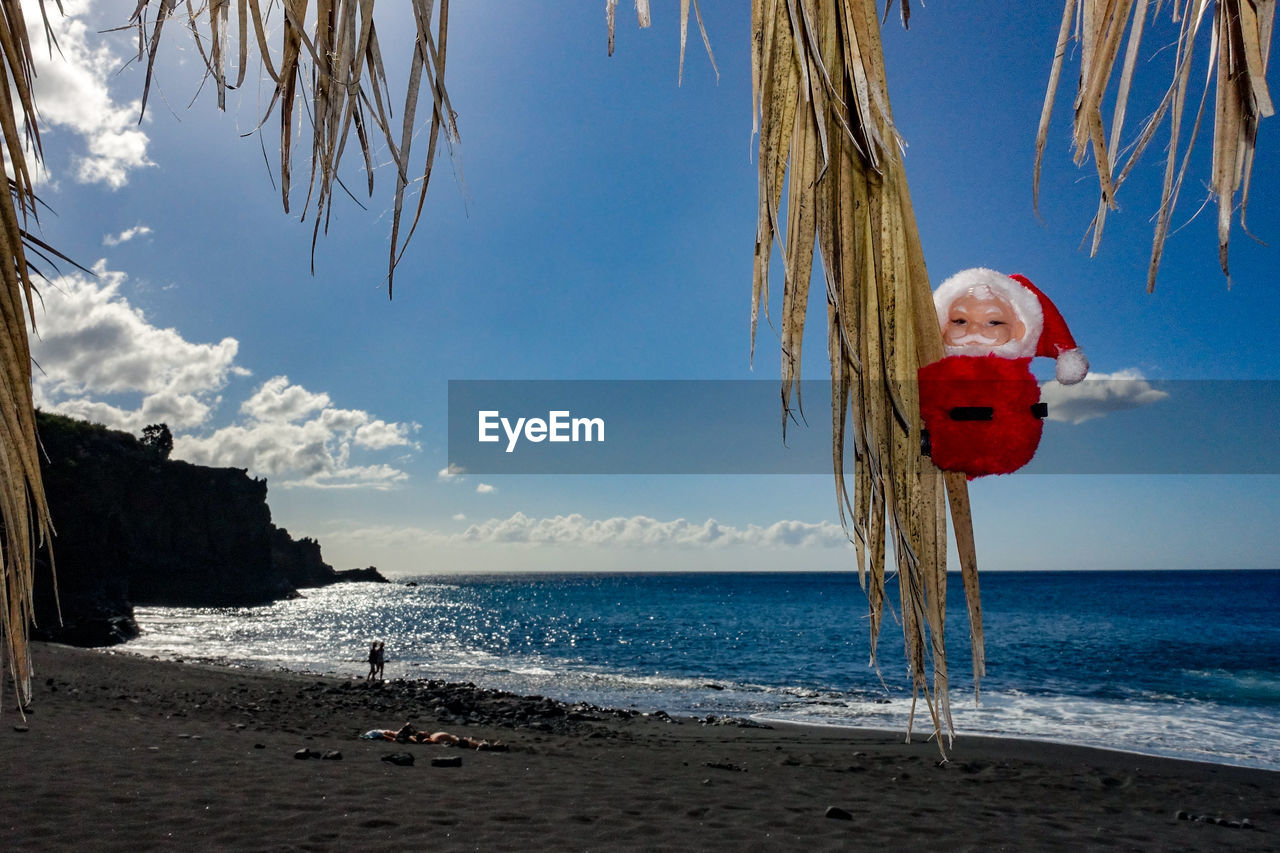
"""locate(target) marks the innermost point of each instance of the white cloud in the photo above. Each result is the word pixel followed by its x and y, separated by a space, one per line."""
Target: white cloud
pixel 485 489
pixel 1099 395
pixel 93 344
pixel 451 473
pixel 278 401
pixel 299 435
pixel 154 409
pixel 379 435
pixel 636 531
pixel 126 235
pixel 71 90
pixel 352 477
pixel 459 516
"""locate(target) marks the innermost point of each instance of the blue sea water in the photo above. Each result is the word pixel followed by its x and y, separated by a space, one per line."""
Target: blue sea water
pixel 1183 664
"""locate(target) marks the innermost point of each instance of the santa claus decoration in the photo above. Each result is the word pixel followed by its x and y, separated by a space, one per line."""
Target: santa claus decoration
pixel 980 406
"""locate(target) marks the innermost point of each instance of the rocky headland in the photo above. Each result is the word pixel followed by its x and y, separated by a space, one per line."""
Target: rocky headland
pixel 133 527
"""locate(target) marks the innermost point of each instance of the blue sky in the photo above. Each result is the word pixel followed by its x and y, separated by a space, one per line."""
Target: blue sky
pixel 596 222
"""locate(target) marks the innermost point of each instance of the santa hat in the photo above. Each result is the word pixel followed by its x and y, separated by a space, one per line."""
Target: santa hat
pixel 1046 333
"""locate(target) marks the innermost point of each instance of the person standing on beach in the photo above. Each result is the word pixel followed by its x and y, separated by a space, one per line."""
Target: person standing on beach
pixel 380 658
pixel 373 661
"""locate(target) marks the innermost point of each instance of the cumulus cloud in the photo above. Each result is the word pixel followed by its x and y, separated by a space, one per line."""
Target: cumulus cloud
pixel 485 489
pixel 636 531
pixel 459 516
pixel 100 359
pixel 92 342
pixel 277 401
pixel 126 235
pixel 71 89
pixel 379 435
pixel 1099 395
pixel 300 435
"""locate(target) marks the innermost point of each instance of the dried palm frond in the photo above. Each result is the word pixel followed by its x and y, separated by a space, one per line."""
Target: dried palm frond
pixel 332 52
pixel 328 65
pixel 1239 45
pixel 644 19
pixel 24 515
pixel 826 132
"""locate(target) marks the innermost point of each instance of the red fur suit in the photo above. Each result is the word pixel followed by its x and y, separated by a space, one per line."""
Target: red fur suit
pixel 982 413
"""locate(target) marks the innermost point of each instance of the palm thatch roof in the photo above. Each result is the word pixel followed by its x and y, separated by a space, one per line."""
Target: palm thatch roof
pixel 827 145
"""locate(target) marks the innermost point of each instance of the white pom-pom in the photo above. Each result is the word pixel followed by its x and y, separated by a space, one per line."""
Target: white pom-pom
pixel 1072 366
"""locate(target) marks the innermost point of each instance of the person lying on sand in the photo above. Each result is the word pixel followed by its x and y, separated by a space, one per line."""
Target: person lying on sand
pixel 408 734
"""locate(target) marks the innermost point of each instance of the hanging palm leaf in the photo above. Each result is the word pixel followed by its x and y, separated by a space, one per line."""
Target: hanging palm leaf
pixel 24 515
pixel 827 137
pixel 329 65
pixel 1239 42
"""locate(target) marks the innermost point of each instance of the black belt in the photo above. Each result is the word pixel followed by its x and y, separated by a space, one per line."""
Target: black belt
pixel 977 413
pixel 986 413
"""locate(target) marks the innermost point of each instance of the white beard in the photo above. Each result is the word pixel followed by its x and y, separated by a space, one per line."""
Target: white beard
pixel 974 345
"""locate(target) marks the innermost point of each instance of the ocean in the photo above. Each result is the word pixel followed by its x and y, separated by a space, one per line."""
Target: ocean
pixel 1183 664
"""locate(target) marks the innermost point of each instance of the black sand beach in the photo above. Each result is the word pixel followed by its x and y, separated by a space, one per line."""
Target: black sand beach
pixel 123 753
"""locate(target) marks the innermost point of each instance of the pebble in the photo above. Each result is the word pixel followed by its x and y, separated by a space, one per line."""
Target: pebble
pixel 1242 823
pixel 452 761
pixel 21 728
pixel 402 759
pixel 724 765
pixel 837 813
pixel 332 755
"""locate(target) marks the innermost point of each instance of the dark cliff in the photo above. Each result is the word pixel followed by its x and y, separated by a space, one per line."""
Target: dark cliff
pixel 133 527
pixel 300 563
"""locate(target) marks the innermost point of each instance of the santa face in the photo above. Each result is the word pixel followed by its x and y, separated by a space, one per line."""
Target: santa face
pixel 981 322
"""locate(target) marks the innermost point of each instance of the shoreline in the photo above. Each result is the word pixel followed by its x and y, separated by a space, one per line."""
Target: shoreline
pixel 919 733
pixel 124 752
pixel 916 736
